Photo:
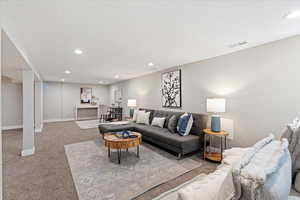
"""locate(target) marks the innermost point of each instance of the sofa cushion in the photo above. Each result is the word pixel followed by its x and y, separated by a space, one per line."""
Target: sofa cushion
pixel 143 118
pixel 184 125
pixel 172 125
pixel 166 114
pixel 151 113
pixel 200 120
pixel 164 135
pixel 158 121
pixel 104 128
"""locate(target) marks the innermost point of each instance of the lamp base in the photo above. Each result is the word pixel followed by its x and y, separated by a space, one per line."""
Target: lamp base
pixel 215 123
pixel 131 111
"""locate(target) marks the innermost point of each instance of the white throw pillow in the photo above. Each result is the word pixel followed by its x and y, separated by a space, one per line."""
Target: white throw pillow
pixel 158 121
pixel 215 186
pixel 143 118
pixel 135 114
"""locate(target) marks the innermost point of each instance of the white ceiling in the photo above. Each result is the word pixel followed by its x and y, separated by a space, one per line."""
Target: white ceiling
pixel 121 37
pixel 12 61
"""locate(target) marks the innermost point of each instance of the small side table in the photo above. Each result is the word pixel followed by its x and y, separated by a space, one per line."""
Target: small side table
pixel 208 153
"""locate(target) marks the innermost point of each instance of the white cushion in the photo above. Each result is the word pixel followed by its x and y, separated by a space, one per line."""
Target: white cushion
pixel 158 121
pixel 135 114
pixel 143 118
pixel 215 186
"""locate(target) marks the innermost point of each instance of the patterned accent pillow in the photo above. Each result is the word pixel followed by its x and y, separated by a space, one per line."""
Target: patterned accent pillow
pixel 185 124
pixel 143 118
pixel 172 124
pixel 158 121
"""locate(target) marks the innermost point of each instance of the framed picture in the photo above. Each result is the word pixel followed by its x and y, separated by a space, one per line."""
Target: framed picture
pixel 85 95
pixel 171 89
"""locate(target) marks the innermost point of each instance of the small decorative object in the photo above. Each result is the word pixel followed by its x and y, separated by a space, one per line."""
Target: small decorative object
pixel 215 105
pixel 85 95
pixel 171 89
pixel 94 100
pixel 131 103
pixel 125 134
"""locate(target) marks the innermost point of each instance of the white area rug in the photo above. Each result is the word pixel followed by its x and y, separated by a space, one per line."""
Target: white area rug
pixel 87 124
pixel 97 177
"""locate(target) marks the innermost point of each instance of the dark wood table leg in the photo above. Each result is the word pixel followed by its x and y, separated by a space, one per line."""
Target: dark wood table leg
pixel 108 152
pixel 119 156
pixel 204 151
pixel 138 151
pixel 221 149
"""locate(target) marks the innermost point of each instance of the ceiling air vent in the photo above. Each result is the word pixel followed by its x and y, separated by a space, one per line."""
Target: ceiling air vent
pixel 238 44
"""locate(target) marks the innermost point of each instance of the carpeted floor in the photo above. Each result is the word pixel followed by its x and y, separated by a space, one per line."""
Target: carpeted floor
pixel 47 176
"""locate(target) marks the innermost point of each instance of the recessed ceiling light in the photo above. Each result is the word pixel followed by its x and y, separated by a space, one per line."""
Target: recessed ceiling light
pixel 100 82
pixel 67 72
pixel 293 15
pixel 150 64
pixel 63 80
pixel 117 76
pixel 78 51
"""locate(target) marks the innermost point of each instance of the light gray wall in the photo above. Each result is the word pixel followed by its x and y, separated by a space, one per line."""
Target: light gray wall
pixel 60 99
pixel 12 109
pixel 1 94
pixel 261 86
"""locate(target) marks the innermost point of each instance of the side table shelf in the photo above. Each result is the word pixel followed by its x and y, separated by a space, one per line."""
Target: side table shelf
pixel 208 153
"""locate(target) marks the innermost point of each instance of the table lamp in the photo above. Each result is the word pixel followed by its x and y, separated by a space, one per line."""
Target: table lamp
pixel 216 106
pixel 131 104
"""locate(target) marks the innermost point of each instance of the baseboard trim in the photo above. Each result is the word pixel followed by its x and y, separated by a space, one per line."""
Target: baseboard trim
pixel 28 152
pixel 5 128
pixel 58 120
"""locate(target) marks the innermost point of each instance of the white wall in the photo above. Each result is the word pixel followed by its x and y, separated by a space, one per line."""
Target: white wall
pixel 1 163
pixel 261 86
pixel 60 99
pixel 12 109
pixel 38 106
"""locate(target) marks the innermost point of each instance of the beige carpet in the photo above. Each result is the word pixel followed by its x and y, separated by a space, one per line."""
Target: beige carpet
pixel 98 177
pixel 47 176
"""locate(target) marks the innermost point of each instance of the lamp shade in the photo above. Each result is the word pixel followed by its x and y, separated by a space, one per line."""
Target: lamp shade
pixel 131 103
pixel 215 105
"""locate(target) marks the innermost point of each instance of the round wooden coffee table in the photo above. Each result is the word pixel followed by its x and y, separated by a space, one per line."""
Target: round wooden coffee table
pixel 114 142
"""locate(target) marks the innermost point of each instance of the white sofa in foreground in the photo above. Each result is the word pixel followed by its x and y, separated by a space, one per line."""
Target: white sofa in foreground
pixel 262 172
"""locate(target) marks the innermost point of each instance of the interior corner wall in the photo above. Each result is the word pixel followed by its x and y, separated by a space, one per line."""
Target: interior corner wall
pixel 261 87
pixel 12 107
pixel 1 162
pixel 60 99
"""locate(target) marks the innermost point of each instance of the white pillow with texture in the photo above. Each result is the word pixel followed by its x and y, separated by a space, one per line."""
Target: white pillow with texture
pixel 143 118
pixel 135 114
pixel 215 186
pixel 158 121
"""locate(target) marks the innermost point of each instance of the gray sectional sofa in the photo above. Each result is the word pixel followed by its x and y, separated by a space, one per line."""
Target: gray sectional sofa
pixel 162 136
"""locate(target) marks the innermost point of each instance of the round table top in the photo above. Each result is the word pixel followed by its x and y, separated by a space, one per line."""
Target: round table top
pixel 111 137
pixel 210 132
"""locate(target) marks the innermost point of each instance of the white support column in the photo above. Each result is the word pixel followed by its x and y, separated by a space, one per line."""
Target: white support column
pixel 28 113
pixel 38 109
